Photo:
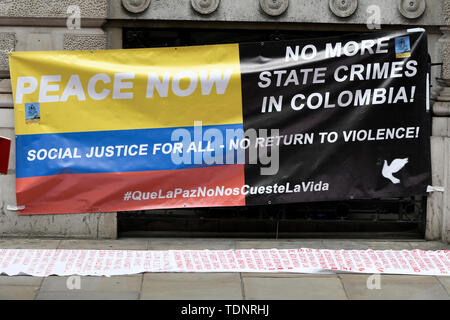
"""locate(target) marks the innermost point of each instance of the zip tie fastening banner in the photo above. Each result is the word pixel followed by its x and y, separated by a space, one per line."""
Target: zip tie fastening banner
pixel 435 189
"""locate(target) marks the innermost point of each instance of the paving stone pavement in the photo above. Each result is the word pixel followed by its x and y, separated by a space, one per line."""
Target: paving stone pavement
pixel 223 286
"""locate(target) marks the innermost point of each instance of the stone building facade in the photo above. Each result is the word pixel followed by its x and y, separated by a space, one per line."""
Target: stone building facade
pixel 45 25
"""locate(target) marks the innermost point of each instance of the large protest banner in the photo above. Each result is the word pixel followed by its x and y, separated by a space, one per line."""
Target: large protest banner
pixel 222 125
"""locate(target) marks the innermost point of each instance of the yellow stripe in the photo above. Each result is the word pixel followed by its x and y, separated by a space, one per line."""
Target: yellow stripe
pixel 139 112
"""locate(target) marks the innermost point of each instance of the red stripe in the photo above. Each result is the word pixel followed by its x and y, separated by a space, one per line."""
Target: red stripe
pixel 104 192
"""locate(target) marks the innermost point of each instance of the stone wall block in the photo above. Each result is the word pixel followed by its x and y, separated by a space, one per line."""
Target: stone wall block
pixel 96 9
pixel 85 42
pixel 7 44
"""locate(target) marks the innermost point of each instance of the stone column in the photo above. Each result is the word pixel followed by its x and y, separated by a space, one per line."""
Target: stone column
pixel 39 25
pixel 438 211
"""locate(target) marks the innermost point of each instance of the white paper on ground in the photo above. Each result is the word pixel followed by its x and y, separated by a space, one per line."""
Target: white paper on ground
pixel 42 263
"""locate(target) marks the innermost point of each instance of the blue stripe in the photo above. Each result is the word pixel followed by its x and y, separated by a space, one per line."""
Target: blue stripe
pixel 78 146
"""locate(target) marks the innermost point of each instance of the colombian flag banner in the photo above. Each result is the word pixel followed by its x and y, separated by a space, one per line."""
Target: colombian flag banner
pixel 221 125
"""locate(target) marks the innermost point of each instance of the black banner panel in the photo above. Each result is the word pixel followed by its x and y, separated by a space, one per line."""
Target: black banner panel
pixel 346 115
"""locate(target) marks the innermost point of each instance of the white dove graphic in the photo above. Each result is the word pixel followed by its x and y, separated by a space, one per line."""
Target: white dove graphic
pixel 395 166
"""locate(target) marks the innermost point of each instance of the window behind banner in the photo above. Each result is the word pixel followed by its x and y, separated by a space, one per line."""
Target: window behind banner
pixel 371 218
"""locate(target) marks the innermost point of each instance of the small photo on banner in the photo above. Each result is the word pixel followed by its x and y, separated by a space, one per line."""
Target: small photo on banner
pixel 5 147
pixel 32 112
pixel 402 47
